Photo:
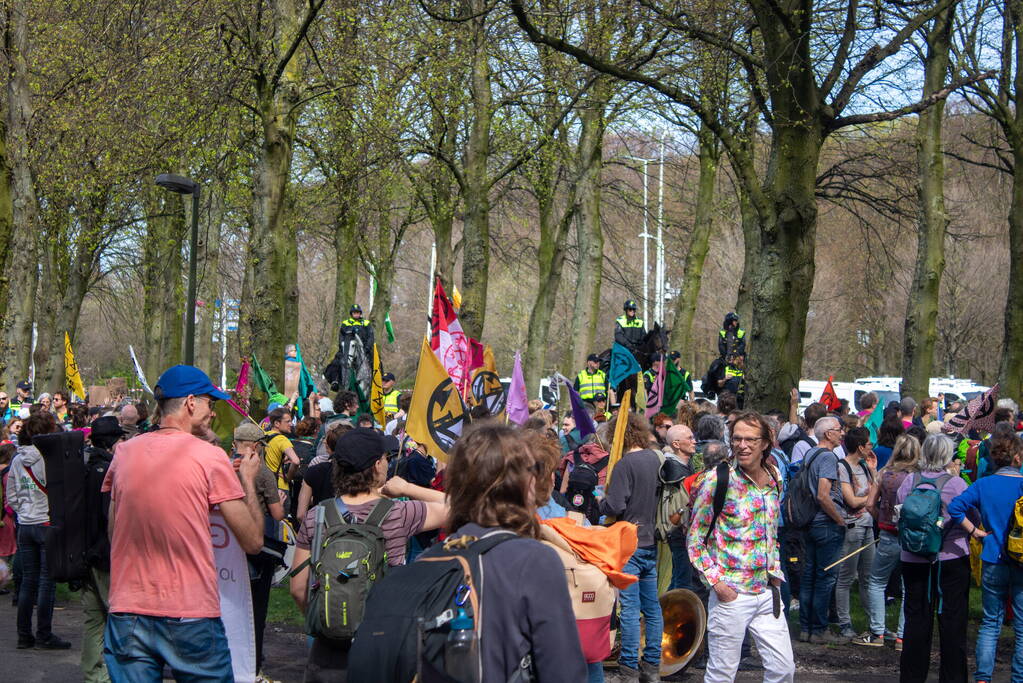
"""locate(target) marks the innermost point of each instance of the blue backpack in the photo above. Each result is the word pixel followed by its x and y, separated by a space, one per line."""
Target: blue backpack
pixel 921 523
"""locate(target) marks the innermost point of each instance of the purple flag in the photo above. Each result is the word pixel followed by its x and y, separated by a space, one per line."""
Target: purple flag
pixel 518 406
pixel 583 421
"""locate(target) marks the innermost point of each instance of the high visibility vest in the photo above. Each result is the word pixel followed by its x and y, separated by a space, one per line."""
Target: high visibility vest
pixel 352 322
pixel 391 401
pixel 624 321
pixel 591 385
pixel 739 334
pixel 731 371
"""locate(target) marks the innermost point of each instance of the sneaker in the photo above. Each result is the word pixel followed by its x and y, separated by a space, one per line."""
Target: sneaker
pixel 890 636
pixel 847 631
pixel 794 605
pixel 868 639
pixel 804 637
pixel 898 644
pixel 52 642
pixel 25 643
pixel 827 637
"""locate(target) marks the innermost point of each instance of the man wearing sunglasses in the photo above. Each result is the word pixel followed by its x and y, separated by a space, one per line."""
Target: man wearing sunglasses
pixel 164 604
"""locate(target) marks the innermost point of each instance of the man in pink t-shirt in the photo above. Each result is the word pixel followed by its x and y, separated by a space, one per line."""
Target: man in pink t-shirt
pixel 164 603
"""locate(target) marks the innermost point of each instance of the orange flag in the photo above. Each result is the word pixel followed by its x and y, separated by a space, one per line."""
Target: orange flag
pixel 829 398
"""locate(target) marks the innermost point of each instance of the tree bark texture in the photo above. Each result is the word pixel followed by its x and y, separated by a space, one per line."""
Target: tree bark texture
pixel 163 287
pixel 271 310
pixel 922 305
pixel 476 190
pixel 19 257
pixel 346 261
pixel 207 353
pixel 590 236
pixel 696 254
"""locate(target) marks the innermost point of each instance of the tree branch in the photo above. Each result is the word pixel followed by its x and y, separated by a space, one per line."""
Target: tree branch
pixel 310 16
pixel 856 119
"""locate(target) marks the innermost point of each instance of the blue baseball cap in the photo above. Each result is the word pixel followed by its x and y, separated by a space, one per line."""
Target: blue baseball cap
pixel 185 380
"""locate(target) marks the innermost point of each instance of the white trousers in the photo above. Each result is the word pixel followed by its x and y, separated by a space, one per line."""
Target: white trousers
pixel 726 626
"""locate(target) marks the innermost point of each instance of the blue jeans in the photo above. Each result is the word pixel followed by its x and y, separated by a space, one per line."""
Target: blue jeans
pixel 999 582
pixel 821 544
pixel 681 567
pixel 36 588
pixel 137 647
pixel 886 559
pixel 641 597
pixel 595 672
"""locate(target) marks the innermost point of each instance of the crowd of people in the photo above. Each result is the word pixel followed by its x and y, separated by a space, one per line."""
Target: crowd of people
pixel 396 552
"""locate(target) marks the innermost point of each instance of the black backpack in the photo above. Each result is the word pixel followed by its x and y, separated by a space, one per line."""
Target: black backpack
pixel 67 536
pixel 801 504
pixel 789 444
pixel 581 484
pixel 405 625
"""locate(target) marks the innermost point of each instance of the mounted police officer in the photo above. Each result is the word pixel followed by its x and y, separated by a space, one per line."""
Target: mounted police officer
pixel 630 330
pixel 356 325
pixel 591 380
pixel 731 337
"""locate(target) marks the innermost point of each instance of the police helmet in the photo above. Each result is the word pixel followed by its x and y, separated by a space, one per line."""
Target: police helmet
pixel 730 318
pixel 675 355
pixel 630 304
pixel 356 308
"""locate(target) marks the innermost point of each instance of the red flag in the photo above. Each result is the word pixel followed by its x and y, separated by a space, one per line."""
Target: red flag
pixel 829 398
pixel 447 340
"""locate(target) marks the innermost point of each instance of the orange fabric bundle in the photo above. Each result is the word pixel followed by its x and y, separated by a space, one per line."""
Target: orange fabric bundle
pixel 607 548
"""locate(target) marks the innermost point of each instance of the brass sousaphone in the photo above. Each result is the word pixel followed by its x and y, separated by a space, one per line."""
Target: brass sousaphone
pixel 685 623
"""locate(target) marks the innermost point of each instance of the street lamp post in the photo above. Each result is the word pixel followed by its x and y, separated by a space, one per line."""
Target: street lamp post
pixel 183 185
pixel 659 290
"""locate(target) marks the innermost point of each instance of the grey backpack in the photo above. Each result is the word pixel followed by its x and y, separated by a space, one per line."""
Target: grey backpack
pixel 346 559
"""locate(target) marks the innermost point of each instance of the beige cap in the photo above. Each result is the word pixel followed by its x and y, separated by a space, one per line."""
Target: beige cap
pixel 249 431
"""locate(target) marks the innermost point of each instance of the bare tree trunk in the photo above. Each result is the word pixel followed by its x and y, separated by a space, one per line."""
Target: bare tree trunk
pixel 346 262
pixel 590 235
pixel 208 250
pixel 1010 370
pixel 699 244
pixel 476 192
pixel 162 282
pixel 922 306
pixel 19 257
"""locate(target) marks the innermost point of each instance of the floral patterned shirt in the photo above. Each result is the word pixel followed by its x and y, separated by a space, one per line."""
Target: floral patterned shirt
pixel 743 547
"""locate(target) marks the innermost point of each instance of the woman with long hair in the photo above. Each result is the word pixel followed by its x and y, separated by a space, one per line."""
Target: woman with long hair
pixel 492 484
pixel 903 462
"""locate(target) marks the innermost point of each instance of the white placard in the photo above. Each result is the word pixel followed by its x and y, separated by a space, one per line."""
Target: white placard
pixel 235 599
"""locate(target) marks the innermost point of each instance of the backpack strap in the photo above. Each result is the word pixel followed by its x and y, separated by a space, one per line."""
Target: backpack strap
pixel 848 470
pixel 577 458
pixel 601 464
pixel 379 512
pixel 720 491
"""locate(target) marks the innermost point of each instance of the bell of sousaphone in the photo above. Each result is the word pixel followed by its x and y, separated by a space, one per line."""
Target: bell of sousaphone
pixel 685 622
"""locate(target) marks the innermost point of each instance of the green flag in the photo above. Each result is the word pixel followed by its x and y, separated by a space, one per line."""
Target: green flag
pixel 676 388
pixel 306 385
pixel 263 381
pixel 389 328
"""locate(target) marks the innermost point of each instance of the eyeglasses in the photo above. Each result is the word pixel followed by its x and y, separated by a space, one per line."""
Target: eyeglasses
pixel 739 440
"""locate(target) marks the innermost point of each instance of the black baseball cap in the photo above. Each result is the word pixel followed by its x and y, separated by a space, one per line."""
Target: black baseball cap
pixel 600 397
pixel 358 449
pixel 593 358
pixel 388 377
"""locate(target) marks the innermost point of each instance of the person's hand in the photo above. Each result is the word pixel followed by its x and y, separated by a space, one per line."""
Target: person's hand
pixel 872 460
pixel 978 533
pixel 725 592
pixel 248 466
pixel 794 396
pixel 395 487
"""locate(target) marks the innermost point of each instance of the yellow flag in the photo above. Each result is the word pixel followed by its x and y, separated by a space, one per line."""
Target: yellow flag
pixel 640 393
pixel 456 298
pixel 74 378
pixel 437 414
pixel 486 387
pixel 376 392
pixel 619 438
